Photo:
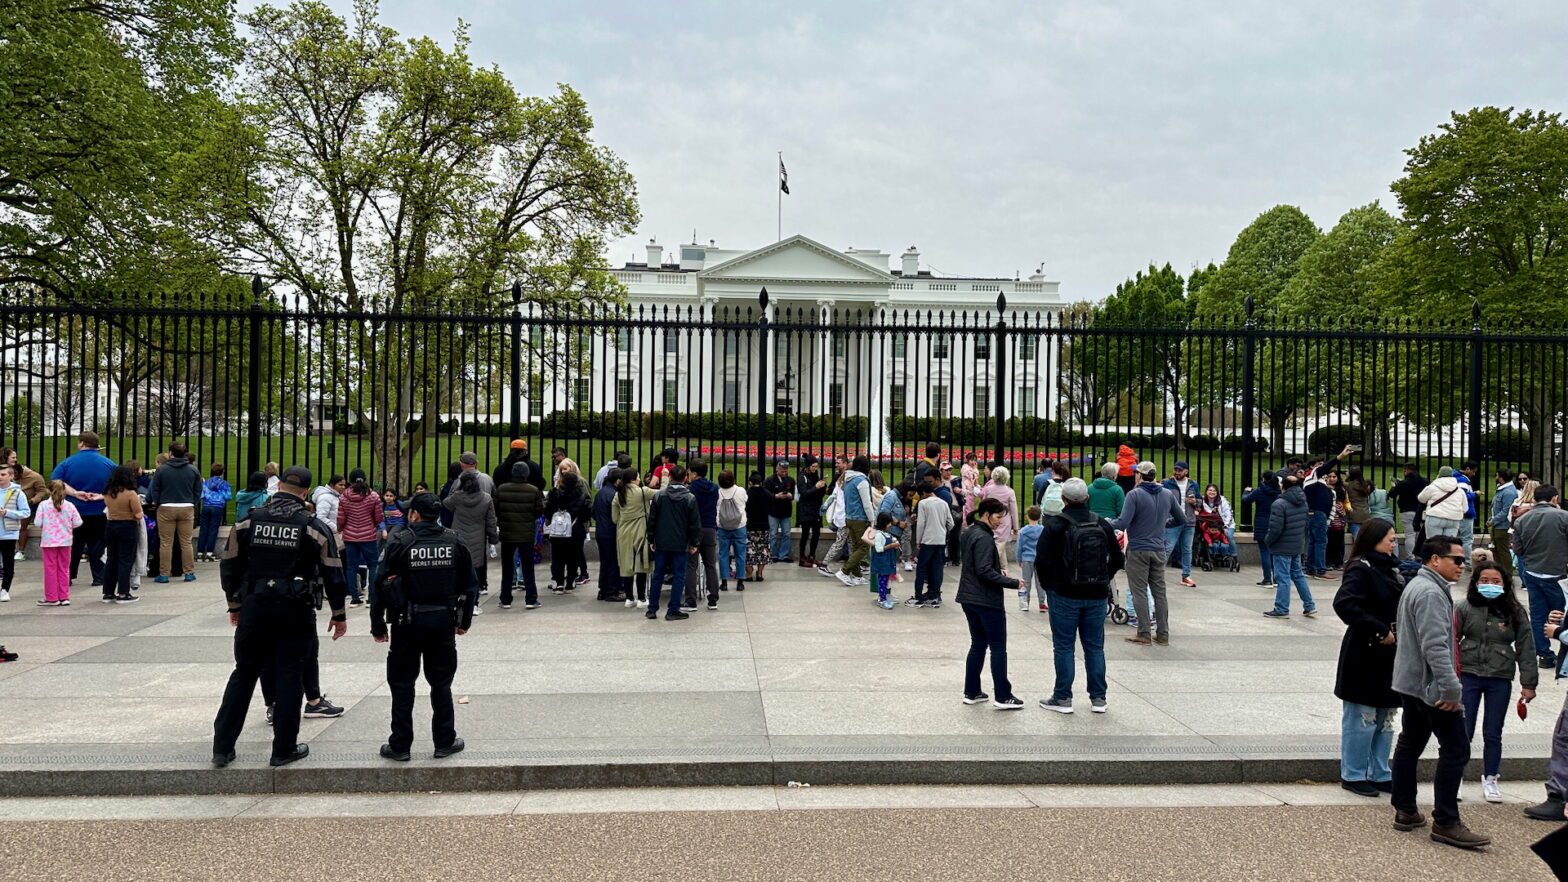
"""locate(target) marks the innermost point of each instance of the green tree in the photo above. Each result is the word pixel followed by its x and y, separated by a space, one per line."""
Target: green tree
pixel 1485 208
pixel 1153 364
pixel 1335 283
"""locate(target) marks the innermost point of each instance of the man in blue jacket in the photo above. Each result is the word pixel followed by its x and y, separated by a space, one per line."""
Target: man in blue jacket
pixel 1149 511
pixel 86 473
pixel 1320 508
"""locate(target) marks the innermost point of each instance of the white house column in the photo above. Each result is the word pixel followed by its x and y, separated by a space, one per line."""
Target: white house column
pixel 877 444
pixel 825 364
pixel 715 380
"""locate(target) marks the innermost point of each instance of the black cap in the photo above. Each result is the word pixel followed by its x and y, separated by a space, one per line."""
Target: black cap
pixel 428 506
pixel 296 476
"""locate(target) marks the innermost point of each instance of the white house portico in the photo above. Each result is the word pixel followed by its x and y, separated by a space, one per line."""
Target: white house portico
pixel 828 373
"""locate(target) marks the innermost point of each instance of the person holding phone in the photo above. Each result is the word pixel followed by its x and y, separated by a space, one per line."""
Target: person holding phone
pixel 1430 694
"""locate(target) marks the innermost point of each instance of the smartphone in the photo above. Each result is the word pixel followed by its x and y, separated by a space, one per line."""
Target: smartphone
pixel 1353 448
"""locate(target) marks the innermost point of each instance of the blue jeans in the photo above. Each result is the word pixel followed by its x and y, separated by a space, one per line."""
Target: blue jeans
pixel 360 554
pixel 207 532
pixel 1544 595
pixel 987 631
pixel 1366 739
pixel 1228 547
pixel 1317 542
pixel 673 562
pixel 1183 535
pixel 928 572
pixel 732 540
pixel 1288 570
pixel 778 537
pixel 1265 558
pixel 1496 691
pixel 1071 616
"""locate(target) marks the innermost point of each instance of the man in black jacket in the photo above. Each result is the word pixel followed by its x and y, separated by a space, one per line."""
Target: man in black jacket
pixel 1076 558
pixel 518 504
pixel 674 532
pixel 427 585
pixel 1404 496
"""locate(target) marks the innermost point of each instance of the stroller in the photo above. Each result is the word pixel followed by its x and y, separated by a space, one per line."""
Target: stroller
pixel 1116 612
pixel 1211 536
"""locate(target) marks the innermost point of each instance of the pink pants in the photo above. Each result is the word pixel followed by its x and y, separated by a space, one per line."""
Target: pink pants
pixel 57 573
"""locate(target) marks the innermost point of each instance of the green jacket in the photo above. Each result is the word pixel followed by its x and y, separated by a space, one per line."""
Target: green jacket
pixel 1106 498
pixel 1490 645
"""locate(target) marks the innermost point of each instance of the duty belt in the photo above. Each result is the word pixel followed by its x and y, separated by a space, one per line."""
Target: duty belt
pixel 428 607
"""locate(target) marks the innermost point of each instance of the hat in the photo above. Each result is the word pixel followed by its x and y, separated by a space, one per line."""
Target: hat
pixel 1075 490
pixel 468 457
pixel 1445 472
pixel 519 444
pixel 519 471
pixel 1145 467
pixel 944 464
pixel 296 476
pixel 428 506
pixel 783 464
pixel 1181 464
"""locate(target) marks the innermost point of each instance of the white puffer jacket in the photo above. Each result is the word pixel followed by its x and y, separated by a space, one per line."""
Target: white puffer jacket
pixel 1452 505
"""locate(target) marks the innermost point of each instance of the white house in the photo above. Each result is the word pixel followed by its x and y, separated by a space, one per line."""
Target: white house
pixel 849 374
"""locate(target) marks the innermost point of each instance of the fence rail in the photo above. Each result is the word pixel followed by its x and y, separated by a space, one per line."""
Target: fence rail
pixel 250 381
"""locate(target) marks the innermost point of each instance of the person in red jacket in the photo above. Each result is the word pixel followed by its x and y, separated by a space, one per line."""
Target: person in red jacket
pixel 359 526
pixel 1126 461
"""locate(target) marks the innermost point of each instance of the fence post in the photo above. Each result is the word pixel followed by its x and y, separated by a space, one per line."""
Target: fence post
pixel 763 389
pixel 1477 353
pixel 517 360
pixel 253 402
pixel 1249 347
pixel 999 386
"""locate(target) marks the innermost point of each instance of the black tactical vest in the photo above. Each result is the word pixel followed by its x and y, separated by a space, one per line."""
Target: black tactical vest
pixel 432 569
pixel 276 552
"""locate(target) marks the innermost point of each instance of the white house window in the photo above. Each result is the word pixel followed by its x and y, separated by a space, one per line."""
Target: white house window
pixel 896 397
pixel 1027 346
pixel 982 348
pixel 582 395
pixel 623 339
pixel 672 342
pixel 982 401
pixel 731 396
pixel 900 345
pixel 939 347
pixel 670 393
pixel 1026 401
pixel 731 342
pixel 836 399
pixel 624 392
pixel 939 402
pixel 839 345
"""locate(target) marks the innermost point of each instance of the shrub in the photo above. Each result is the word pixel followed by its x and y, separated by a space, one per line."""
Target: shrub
pixel 1235 444
pixel 1330 439
pixel 1203 442
pixel 1162 441
pixel 1506 445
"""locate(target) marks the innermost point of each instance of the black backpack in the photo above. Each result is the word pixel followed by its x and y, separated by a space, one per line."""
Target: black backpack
pixel 1087 554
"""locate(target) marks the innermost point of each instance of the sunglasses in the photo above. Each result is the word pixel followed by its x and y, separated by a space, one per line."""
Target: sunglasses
pixel 1456 558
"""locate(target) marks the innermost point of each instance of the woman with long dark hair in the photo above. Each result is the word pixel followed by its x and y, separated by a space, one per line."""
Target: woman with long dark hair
pixel 566 498
pixel 981 588
pixel 123 512
pixel 629 513
pixel 1494 641
pixel 1368 602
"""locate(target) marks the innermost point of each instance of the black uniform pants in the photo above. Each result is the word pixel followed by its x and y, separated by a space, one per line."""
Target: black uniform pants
pixel 310 674
pixel 429 637
pixel 88 539
pixel 273 635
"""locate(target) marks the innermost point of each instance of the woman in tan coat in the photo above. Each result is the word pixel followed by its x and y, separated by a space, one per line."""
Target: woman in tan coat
pixel 629 513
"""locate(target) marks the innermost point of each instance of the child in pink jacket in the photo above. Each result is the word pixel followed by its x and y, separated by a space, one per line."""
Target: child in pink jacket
pixel 57 520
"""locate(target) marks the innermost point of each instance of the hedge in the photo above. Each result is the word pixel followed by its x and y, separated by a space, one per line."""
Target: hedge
pixel 1504 444
pixel 1017 431
pixel 1331 439
pixel 1235 444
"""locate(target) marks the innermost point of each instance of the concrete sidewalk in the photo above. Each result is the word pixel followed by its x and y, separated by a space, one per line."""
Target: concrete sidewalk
pixel 799 678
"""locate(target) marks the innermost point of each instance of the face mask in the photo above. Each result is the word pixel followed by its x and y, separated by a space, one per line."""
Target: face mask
pixel 1490 592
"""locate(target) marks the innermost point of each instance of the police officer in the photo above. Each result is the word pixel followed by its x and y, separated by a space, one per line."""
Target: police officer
pixel 426 585
pixel 277 563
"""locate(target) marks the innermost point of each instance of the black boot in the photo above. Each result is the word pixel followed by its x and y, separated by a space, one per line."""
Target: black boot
pixel 1550 810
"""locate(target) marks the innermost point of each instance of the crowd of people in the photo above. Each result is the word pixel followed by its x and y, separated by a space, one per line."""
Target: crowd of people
pixel 1445 670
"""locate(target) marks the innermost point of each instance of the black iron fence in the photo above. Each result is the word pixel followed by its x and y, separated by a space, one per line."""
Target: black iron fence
pixel 254 380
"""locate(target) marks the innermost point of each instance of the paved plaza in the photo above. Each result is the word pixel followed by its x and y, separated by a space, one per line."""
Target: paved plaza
pixel 799 678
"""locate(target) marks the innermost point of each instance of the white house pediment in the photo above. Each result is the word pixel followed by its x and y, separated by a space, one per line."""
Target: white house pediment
pixel 797 259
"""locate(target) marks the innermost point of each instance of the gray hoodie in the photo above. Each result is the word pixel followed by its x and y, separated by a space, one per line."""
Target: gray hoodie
pixel 1424 653
pixel 176 482
pixel 1149 509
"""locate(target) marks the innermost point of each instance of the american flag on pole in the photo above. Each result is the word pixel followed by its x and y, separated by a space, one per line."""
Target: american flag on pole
pixel 783 176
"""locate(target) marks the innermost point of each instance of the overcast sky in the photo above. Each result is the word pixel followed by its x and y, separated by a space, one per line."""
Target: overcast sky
pixel 1093 137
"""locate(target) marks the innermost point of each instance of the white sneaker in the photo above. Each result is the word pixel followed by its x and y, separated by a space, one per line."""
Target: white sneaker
pixel 5 596
pixel 1490 790
pixel 631 602
pixel 642 604
pixel 20 556
pixel 478 610
pixel 1023 606
pixel 909 566
pixel 845 578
